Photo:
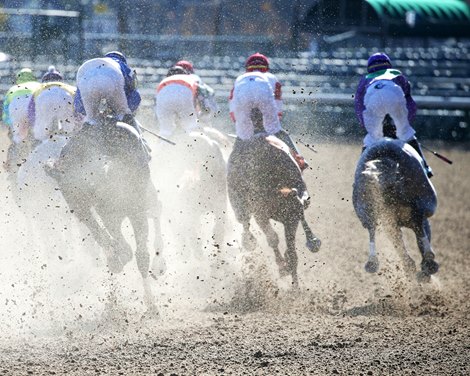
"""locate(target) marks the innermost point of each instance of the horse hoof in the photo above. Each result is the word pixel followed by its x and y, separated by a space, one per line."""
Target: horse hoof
pixel 158 268
pixel 151 313
pixel 115 265
pixel 283 269
pixel 429 266
pixel 372 265
pixel 125 256
pixel 313 245
pixel 422 277
pixel 410 266
pixel 248 242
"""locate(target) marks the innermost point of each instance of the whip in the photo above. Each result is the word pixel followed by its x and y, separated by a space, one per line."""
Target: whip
pixel 155 134
pixel 440 156
pixel 308 146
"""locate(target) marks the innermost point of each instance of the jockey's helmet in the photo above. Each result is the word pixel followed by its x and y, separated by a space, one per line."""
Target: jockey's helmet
pixel 52 74
pixel 25 75
pixel 257 62
pixel 116 55
pixel 378 61
pixel 176 70
pixel 186 65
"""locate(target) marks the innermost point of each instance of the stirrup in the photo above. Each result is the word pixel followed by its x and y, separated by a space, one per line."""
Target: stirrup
pixel 301 162
pixel 429 172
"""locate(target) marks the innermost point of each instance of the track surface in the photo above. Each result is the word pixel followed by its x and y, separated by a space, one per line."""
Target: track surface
pixel 54 318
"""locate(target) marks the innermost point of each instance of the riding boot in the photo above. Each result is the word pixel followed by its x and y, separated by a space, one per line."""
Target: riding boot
pixel 284 136
pixel 415 144
pixel 130 119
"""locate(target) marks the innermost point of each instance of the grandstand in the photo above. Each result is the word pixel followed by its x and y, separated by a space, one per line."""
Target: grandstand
pixel 319 79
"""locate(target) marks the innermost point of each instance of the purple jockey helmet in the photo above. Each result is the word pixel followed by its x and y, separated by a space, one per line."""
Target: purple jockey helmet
pixel 378 61
pixel 52 74
pixel 117 56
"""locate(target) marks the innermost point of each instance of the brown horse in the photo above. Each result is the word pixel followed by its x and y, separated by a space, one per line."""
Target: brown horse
pixel 265 182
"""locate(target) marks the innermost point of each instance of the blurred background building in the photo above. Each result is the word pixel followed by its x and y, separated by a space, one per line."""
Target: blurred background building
pixel 318 48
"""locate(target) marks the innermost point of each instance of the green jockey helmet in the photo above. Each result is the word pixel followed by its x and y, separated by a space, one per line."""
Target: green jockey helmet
pixel 25 75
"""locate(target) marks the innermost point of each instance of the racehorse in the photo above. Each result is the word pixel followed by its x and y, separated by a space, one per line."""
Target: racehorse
pixel 265 182
pixel 104 176
pixel 40 200
pixel 391 189
pixel 192 180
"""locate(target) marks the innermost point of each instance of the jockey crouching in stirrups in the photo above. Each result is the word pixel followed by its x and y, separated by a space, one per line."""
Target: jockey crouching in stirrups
pixel 176 102
pixel 383 91
pixel 108 79
pixel 51 107
pixel 206 95
pixel 259 89
pixel 15 116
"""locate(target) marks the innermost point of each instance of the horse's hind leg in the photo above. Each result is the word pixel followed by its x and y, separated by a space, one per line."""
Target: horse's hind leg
pixel 313 243
pixel 102 238
pixel 372 264
pixel 428 265
pixel 408 262
pixel 120 246
pixel 141 231
pixel 155 212
pixel 290 228
pixel 248 239
pixel 273 242
pixel 220 218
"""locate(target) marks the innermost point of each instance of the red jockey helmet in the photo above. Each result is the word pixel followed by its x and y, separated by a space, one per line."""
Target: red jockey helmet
pixel 186 65
pixel 257 62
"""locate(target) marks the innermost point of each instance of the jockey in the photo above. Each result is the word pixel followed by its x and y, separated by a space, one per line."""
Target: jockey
pixel 107 78
pixel 206 93
pixel 259 88
pixel 51 106
pixel 177 104
pixel 385 90
pixel 15 116
pixel 15 105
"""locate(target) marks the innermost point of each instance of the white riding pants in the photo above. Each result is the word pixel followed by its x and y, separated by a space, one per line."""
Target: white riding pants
pixel 53 107
pixel 385 97
pixel 20 124
pixel 175 110
pixel 101 79
pixel 254 92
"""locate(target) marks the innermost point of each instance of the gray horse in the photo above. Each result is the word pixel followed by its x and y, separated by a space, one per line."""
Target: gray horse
pixel 265 182
pixel 391 189
pixel 103 172
pixel 192 182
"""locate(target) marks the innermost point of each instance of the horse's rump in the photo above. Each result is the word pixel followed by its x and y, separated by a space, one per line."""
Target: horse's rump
pixel 261 178
pixel 105 165
pixel 390 174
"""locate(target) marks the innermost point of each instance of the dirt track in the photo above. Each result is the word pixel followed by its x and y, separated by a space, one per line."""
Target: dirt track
pixel 343 321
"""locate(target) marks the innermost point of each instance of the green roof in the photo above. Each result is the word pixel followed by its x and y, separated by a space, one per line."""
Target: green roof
pixel 439 10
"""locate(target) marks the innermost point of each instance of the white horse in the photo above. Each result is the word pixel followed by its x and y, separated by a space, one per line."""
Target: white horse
pixel 51 225
pixel 191 177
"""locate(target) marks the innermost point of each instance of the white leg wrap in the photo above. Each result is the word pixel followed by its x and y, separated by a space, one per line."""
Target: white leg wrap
pixel 372 250
pixel 426 244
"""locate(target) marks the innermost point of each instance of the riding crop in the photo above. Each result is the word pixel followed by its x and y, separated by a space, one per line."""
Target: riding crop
pixel 437 154
pixel 157 135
